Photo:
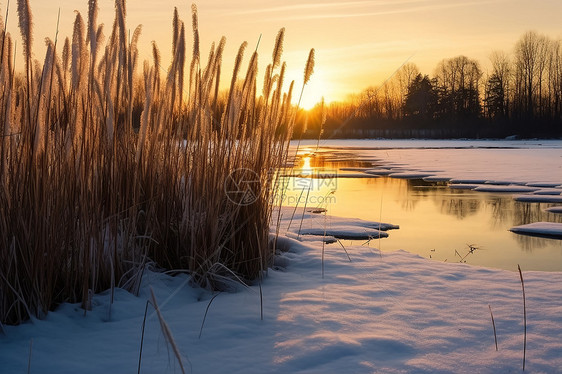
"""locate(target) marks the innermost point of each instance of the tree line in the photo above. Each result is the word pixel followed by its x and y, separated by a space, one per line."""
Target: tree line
pixel 520 95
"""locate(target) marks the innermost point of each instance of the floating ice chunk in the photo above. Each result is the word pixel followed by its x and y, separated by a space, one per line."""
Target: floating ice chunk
pixel 328 239
pixel 345 232
pixel 379 171
pixel 510 188
pixel 332 175
pixel 500 183
pixel 544 184
pixel 355 175
pixel 548 191
pixel 546 229
pixel 436 178
pixel 464 186
pixel 410 175
pixel 538 198
pixel 291 221
pixel 294 222
pixel 339 221
pixel 355 168
pixel 316 210
pixel 467 181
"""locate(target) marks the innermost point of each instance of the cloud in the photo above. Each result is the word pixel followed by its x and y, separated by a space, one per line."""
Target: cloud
pixel 325 6
pixel 357 9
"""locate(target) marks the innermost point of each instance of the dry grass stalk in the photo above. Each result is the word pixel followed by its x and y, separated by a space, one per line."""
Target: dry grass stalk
pixel 524 317
pixel 166 331
pixel 105 169
pixel 494 326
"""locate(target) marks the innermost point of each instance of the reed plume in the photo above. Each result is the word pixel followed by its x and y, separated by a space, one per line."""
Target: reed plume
pixel 175 30
pixel 278 48
pixel 195 27
pixel 77 51
pixel 92 36
pixel 309 68
pixel 25 21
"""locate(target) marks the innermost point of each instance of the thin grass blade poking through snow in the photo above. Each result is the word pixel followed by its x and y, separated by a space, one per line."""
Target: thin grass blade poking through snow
pixel 166 331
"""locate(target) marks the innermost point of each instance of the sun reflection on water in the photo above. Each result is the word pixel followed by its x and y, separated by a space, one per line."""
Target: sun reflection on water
pixel 435 221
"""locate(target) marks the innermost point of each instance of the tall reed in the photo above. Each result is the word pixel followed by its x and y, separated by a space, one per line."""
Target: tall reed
pixel 106 166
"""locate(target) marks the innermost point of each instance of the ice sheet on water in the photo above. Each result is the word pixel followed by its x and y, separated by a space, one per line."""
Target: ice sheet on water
pixel 469 161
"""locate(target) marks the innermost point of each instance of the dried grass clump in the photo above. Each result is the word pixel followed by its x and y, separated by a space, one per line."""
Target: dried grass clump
pixel 105 165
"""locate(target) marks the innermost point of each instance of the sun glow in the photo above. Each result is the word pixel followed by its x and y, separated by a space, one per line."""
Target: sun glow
pixel 313 93
pixel 306 167
pixel 317 88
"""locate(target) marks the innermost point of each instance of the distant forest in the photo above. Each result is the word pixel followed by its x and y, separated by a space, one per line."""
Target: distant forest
pixel 520 96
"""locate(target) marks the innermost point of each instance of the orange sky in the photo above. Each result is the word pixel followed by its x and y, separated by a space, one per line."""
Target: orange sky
pixel 358 43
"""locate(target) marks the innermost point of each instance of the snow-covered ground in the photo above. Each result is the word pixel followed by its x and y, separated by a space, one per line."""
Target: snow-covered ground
pixel 326 309
pixel 378 313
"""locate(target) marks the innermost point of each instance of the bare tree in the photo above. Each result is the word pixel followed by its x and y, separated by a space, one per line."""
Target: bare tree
pixel 531 52
pixel 458 83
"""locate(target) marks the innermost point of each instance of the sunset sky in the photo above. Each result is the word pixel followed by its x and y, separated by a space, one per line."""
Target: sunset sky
pixel 358 43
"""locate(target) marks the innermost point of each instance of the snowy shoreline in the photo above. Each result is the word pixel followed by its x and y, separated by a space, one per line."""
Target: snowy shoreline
pixel 391 312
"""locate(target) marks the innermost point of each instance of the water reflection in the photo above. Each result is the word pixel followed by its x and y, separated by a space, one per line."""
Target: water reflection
pixel 435 221
pixel 459 207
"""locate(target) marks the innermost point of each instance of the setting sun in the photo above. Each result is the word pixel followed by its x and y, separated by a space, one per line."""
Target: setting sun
pixel 315 90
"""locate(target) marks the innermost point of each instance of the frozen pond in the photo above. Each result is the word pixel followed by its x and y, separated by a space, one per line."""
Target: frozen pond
pixel 437 221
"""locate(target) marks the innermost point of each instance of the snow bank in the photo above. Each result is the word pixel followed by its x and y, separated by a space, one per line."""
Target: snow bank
pixel 386 313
